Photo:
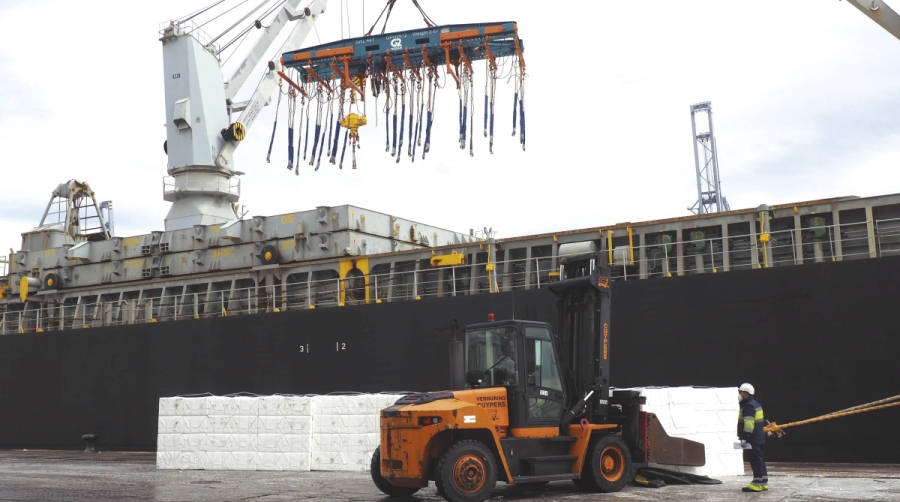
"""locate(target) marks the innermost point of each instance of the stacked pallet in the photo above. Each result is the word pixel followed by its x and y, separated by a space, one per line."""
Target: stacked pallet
pixel 301 433
pixel 345 431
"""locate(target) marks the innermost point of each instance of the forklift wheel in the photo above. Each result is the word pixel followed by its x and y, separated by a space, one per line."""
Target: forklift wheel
pixel 383 484
pixel 467 472
pixel 608 468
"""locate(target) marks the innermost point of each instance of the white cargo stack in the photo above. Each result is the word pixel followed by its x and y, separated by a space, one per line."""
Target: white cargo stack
pixel 300 433
pixel 234 433
pixel 705 415
pixel 346 430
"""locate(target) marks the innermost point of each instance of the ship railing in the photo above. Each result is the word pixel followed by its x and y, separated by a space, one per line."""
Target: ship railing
pixel 187 27
pixel 887 232
pixel 229 186
pixel 816 244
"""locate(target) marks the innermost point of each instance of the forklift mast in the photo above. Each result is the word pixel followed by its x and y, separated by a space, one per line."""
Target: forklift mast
pixel 583 336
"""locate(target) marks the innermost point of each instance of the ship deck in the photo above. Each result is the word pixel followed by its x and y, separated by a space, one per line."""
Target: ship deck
pixel 75 476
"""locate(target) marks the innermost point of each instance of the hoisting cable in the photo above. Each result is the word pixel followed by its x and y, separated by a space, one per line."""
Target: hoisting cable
pixel 521 91
pixel 420 97
pixel 328 124
pixel 472 117
pixel 389 3
pixel 463 110
pixel 292 110
pixel 299 137
pixel 194 14
pixel 241 20
pixel 306 134
pixel 432 91
pixel 275 125
pixel 387 108
pixel 394 116
pixel 487 67
pixel 337 126
pixel 412 107
pixel 343 149
pixel 522 109
pixel 226 11
pixel 312 158
pixel 490 88
pixel 778 430
pixel 402 113
pixel 327 144
pixel 425 17
pixel 388 16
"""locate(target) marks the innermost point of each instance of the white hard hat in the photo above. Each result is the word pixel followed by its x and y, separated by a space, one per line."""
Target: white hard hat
pixel 746 387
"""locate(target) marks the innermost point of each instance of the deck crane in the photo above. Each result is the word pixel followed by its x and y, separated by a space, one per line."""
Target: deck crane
pixel 200 135
pixel 879 11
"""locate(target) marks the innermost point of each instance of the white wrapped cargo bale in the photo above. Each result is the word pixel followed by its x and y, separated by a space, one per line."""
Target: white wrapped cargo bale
pixel 345 424
pixel 229 442
pixel 284 405
pixel 231 424
pixel 382 401
pixel 352 404
pixel 298 406
pixel 340 461
pixel 167 459
pixel 270 432
pixel 364 442
pixel 705 415
pixel 355 404
pixel 235 406
pixel 182 424
pixel 287 424
pixel 284 443
pixel 166 406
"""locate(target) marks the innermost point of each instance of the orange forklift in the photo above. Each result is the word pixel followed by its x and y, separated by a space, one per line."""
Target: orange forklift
pixel 534 407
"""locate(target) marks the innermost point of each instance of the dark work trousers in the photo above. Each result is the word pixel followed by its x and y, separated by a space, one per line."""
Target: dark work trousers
pixel 755 455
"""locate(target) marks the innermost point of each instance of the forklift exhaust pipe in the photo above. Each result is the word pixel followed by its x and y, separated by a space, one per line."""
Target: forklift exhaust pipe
pixel 576 410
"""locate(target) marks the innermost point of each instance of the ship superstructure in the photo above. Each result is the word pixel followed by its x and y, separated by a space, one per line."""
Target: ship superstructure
pixel 344 255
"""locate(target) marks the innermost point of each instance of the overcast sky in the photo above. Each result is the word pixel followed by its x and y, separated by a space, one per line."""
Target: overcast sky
pixel 805 95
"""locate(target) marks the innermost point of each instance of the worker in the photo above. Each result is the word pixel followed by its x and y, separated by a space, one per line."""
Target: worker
pixel 753 437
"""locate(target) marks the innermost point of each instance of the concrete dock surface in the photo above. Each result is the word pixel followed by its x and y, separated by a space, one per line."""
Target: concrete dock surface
pixel 42 475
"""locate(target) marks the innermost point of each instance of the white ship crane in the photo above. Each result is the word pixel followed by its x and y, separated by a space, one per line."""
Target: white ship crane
pixel 201 136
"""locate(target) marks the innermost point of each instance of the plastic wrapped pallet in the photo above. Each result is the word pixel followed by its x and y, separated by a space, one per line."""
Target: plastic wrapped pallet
pixel 346 430
pixel 705 415
pixel 276 432
pixel 234 433
pixel 343 452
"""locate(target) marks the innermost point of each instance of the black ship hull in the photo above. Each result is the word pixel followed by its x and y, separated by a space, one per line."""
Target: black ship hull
pixel 812 339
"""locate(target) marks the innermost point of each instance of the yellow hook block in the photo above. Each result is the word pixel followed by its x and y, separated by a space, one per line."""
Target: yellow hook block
pixel 353 121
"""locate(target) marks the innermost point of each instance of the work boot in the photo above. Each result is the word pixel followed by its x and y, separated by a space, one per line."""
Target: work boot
pixel 753 487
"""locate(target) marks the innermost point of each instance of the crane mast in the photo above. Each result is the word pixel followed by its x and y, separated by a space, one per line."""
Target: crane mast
pixel 200 136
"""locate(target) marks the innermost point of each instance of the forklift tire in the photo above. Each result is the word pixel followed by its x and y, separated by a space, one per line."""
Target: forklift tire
pixel 467 472
pixel 608 466
pixel 385 485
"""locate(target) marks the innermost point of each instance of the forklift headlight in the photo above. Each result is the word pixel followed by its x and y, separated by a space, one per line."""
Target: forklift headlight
pixel 423 421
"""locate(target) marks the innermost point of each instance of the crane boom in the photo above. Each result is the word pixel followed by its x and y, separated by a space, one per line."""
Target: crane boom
pixel 267 85
pixel 288 13
pixel 879 12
